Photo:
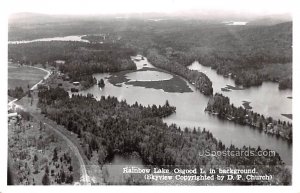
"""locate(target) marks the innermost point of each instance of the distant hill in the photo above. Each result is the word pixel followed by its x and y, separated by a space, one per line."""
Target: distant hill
pixel 39 18
pixel 25 17
pixel 271 20
pixel 267 38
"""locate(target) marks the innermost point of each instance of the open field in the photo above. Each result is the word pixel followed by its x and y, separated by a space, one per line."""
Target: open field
pixel 23 76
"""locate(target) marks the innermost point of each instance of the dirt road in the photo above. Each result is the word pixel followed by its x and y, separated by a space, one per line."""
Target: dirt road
pixel 84 179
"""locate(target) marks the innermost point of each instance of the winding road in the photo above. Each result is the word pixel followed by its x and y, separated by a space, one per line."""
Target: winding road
pixel 45 77
pixel 84 179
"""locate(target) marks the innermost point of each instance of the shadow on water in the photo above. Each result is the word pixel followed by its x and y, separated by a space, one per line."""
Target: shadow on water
pixel 113 171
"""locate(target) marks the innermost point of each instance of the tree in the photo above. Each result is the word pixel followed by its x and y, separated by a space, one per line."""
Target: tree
pixel 41 126
pixel 70 168
pixel 255 118
pixel 47 170
pixel 36 168
pixel 46 180
pixel 35 158
pixel 167 103
pixel 62 176
pixel 269 120
pixel 69 179
pixel 16 93
pixel 29 93
pixel 260 125
pixel 55 157
pixel 101 83
pixel 102 154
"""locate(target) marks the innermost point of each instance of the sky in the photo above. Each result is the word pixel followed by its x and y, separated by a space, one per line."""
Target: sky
pixel 145 6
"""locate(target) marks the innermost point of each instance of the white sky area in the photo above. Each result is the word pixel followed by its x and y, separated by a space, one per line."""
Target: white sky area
pixel 145 6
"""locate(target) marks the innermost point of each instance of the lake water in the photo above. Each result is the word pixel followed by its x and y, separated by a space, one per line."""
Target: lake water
pixel 190 113
pixel 266 99
pixel 65 38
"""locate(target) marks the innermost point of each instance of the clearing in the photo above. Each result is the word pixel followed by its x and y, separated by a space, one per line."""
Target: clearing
pixel 23 76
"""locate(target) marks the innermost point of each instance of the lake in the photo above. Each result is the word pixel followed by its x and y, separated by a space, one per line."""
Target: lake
pixel 64 38
pixel 190 113
pixel 266 99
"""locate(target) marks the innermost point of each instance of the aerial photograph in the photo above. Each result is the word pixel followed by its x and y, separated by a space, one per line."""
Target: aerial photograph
pixel 150 93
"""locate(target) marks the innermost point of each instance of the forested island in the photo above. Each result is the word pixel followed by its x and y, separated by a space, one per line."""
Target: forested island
pixel 220 105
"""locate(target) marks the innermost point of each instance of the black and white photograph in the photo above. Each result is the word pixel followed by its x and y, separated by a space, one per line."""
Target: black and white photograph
pixel 149 93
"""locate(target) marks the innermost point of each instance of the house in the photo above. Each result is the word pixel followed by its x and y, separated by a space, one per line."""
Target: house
pixel 11 115
pixel 76 83
pixel 60 62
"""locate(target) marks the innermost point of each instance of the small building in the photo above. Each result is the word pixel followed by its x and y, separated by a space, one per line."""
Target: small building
pixel 76 83
pixel 11 115
pixel 60 62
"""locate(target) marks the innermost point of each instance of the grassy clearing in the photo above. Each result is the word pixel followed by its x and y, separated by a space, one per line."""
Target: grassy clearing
pixel 23 76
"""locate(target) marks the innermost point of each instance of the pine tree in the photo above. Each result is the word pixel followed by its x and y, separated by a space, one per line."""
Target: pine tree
pixel 46 180
pixel 55 157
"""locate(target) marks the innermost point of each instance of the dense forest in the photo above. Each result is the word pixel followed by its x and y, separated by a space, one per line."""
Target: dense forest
pixel 220 105
pixel 198 79
pixel 110 127
pixel 80 60
pixel 251 53
pixel 286 83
